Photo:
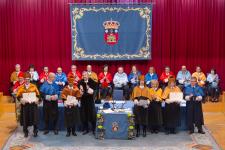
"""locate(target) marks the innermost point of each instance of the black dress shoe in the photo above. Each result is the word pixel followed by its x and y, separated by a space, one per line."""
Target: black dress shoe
pixel 25 135
pixel 56 132
pixel 191 132
pixel 156 131
pixel 138 133
pixel 144 133
pixel 74 134
pixel 167 132
pixel 201 132
pixel 68 134
pixel 85 132
pixel 35 134
pixel 46 132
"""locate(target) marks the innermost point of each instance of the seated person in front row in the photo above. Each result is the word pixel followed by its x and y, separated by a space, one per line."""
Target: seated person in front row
pixel 34 75
pixel 151 75
pixel 193 96
pixel 164 78
pixel 172 108
pixel 70 96
pixel 44 75
pixel 141 98
pixel 75 74
pixel 50 94
pixel 29 105
pixel 120 81
pixel 105 79
pixel 213 86
pixel 155 109
pixel 14 75
pixel 133 78
pixel 183 77
pixel 60 78
pixel 200 76
pixel 94 77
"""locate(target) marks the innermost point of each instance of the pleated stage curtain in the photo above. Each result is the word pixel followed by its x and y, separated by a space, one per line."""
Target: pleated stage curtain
pixel 184 32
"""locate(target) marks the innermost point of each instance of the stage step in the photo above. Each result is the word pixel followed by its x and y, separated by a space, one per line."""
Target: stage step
pixel 7 107
pixel 6 104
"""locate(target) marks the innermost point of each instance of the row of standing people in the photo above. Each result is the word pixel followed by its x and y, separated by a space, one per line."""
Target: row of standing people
pixel 49 93
pixel 148 114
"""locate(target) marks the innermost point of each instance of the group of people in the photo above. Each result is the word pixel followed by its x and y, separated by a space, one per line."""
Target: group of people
pixel 85 88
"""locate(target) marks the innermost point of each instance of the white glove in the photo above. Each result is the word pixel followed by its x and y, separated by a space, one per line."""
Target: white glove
pixel 147 82
pixel 135 102
pixel 199 98
pixel 181 81
pixel 90 91
pixel 187 98
pixel 22 101
pixel 37 101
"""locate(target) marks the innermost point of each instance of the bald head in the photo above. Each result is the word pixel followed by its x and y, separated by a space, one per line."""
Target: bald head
pixel 183 68
pixel 120 70
pixel 89 68
pixel 17 67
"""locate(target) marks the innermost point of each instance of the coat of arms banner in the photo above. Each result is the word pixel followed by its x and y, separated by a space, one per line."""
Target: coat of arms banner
pixel 111 31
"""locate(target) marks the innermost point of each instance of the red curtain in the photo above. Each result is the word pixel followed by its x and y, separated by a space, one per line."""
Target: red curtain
pixel 189 32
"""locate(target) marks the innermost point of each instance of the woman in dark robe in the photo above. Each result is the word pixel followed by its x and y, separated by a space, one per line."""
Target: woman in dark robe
pixel 172 109
pixel 141 97
pixel 155 108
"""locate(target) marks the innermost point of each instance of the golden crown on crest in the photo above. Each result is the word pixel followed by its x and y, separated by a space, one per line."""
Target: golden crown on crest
pixel 111 24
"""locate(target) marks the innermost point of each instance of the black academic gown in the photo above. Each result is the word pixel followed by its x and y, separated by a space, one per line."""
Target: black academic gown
pixel 88 112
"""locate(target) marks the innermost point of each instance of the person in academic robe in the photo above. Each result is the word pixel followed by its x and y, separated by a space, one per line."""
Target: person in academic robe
pixel 14 78
pixel 60 78
pixel 140 96
pixel 44 75
pixel 14 75
pixel 29 108
pixel 120 81
pixel 151 75
pixel 183 78
pixel 15 88
pixel 94 77
pixel 193 96
pixel 213 86
pixel 133 78
pixel 34 75
pixel 200 76
pixel 155 107
pixel 164 78
pixel 75 74
pixel 105 79
pixel 71 111
pixel 92 74
pixel 19 82
pixel 50 94
pixel 172 109
pixel 88 113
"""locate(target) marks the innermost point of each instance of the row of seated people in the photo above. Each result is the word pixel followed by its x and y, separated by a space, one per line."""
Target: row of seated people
pixel 106 82
pixel 146 114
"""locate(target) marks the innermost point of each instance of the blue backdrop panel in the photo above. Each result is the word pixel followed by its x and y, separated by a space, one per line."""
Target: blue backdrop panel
pixel 111 32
